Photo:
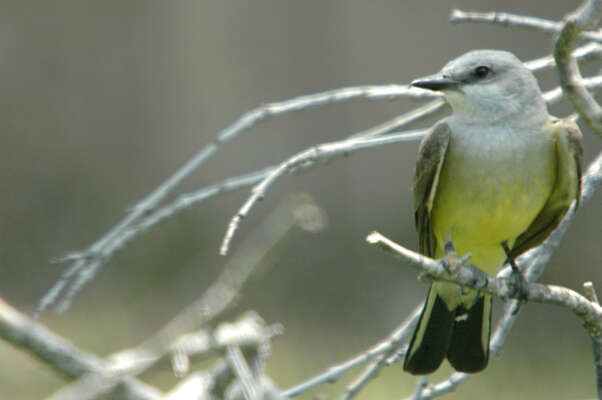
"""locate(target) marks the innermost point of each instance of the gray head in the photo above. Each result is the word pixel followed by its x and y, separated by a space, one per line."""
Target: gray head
pixel 487 85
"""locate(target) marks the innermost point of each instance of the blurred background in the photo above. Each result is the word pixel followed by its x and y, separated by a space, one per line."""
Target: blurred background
pixel 101 101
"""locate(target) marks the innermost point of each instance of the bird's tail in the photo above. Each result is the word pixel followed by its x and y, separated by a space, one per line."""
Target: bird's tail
pixel 461 334
pixel 469 344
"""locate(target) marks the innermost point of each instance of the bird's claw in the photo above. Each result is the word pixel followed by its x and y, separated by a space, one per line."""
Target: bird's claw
pixel 517 282
pixel 518 285
pixel 451 261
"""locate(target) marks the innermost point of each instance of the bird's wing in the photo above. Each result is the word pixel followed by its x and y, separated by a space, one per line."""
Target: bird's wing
pixel 426 177
pixel 569 163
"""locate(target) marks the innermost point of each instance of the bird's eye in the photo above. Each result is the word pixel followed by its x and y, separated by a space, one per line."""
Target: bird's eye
pixel 481 71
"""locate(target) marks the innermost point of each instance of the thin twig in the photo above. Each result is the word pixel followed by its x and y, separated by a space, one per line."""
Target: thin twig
pixel 585 17
pixel 216 299
pixel 82 270
pixel 596 337
pixel 250 389
pixel 447 386
pixel 500 287
pixel 313 155
pixel 518 21
pixel 332 374
pixel 420 386
pixel 243 181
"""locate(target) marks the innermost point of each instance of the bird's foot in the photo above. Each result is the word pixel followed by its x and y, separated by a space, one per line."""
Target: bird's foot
pixel 480 278
pixel 518 283
pixel 452 261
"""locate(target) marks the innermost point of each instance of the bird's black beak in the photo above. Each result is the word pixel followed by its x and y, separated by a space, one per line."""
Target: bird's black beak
pixel 435 82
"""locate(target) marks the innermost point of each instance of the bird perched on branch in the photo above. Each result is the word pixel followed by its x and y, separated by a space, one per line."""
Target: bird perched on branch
pixel 493 179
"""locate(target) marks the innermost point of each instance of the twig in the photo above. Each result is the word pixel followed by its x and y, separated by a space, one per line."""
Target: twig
pixel 420 386
pixel 313 155
pixel 332 374
pixel 585 17
pixel 596 337
pixel 447 386
pixel 585 53
pixel 60 354
pixel 519 21
pixel 250 389
pixel 239 182
pixel 383 360
pixel 83 269
pixel 195 386
pixel 214 301
pixel 499 287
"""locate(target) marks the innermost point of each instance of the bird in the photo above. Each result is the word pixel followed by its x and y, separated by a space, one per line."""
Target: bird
pixel 492 179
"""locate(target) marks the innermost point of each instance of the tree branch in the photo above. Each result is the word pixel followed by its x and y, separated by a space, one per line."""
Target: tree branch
pixel 313 155
pixel 382 350
pixel 517 21
pixel 585 17
pixel 88 262
pixel 214 301
pixel 596 336
pixel 501 287
pixel 60 354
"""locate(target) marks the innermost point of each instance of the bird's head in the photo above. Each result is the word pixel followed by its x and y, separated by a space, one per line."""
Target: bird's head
pixel 486 85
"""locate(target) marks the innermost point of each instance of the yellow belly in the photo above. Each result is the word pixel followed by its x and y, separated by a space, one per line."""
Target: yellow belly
pixel 479 208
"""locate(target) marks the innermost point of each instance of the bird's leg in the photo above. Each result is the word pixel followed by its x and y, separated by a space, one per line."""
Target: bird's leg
pixel 518 282
pixel 451 261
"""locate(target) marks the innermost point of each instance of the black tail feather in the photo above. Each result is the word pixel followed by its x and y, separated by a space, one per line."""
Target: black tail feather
pixel 426 352
pixel 468 352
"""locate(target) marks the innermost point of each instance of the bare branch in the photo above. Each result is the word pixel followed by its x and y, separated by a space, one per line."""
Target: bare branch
pixel 250 389
pixel 586 17
pixel 214 301
pixel 313 155
pixel 447 386
pixel 420 386
pixel 596 336
pixel 518 21
pixel 383 349
pixel 83 269
pixel 60 354
pixel 464 275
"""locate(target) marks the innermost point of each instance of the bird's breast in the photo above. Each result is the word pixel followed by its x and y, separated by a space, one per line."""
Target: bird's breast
pixel 492 185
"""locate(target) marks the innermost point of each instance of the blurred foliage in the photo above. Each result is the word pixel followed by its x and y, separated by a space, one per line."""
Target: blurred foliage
pixel 103 100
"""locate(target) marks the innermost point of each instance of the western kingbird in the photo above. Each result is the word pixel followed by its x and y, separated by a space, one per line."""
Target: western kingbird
pixel 493 179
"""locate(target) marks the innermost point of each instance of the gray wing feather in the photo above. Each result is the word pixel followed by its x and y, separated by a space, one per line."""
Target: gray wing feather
pixel 431 155
pixel 569 156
